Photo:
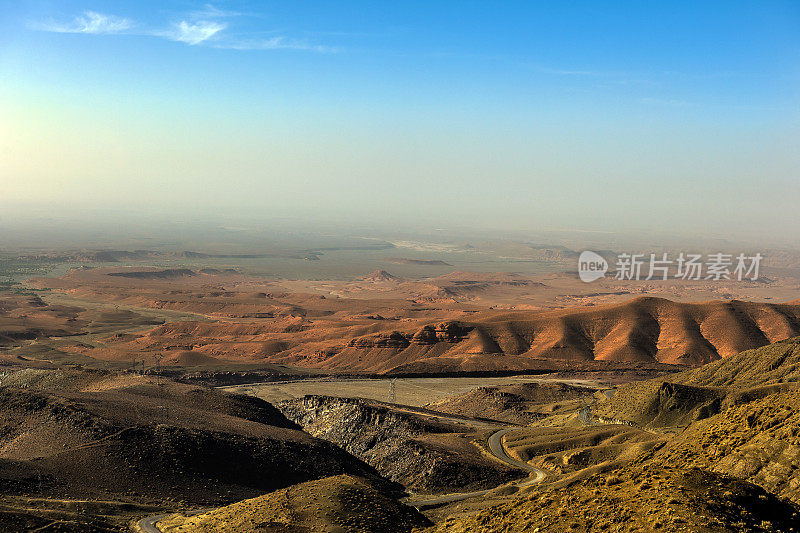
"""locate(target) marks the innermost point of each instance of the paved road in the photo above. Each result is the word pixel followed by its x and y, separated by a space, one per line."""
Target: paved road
pixel 148 523
pixel 499 451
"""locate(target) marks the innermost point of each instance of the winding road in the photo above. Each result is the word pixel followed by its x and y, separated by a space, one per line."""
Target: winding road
pixel 148 523
pixel 498 451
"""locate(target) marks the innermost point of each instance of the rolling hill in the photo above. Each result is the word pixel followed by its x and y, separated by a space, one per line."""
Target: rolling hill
pixel 339 503
pixel 718 450
pixel 78 434
pixel 738 416
pixel 644 330
pixel 377 326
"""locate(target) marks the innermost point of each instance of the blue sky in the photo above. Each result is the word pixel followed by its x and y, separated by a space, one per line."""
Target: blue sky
pixel 530 114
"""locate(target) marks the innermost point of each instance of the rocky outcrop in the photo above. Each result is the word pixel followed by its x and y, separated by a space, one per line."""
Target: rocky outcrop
pixel 450 332
pixel 444 332
pixel 391 442
pixel 395 339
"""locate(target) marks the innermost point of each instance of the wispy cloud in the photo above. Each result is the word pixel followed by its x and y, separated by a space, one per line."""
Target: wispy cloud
pixel 200 27
pixel 192 32
pixel 274 43
pixel 89 22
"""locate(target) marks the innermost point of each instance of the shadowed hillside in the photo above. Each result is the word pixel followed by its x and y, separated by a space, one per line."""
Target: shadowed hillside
pixel 69 434
pixel 706 391
pixel 650 330
pixel 516 404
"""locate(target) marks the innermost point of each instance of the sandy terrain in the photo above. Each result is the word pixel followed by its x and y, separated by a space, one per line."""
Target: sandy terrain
pixel 408 391
pixel 450 324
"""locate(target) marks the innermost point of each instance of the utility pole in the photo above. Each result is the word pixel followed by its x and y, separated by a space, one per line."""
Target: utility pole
pixel 160 385
pixel 158 369
pixel 585 414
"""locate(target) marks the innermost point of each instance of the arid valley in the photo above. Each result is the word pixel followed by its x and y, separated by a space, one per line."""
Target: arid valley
pixel 192 397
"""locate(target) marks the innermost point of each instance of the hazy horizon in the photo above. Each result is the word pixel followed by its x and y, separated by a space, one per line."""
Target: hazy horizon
pixel 641 119
pixel 46 228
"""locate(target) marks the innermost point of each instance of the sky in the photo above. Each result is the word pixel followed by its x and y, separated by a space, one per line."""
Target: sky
pixel 586 116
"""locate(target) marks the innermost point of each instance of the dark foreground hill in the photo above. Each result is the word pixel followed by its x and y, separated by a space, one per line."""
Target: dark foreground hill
pixel 340 503
pixel 96 435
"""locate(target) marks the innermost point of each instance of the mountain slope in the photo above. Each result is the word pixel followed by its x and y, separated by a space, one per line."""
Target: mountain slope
pixel 739 416
pixel 639 499
pixel 104 435
pixel 340 503
pixel 649 330
pixel 725 456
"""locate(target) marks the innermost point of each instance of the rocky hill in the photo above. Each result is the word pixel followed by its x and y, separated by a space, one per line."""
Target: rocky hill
pixel 719 451
pixel 644 330
pixel 340 503
pixel 739 416
pixel 515 404
pixel 638 499
pixel 710 389
pixel 73 434
pixel 422 454
pixel 380 275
